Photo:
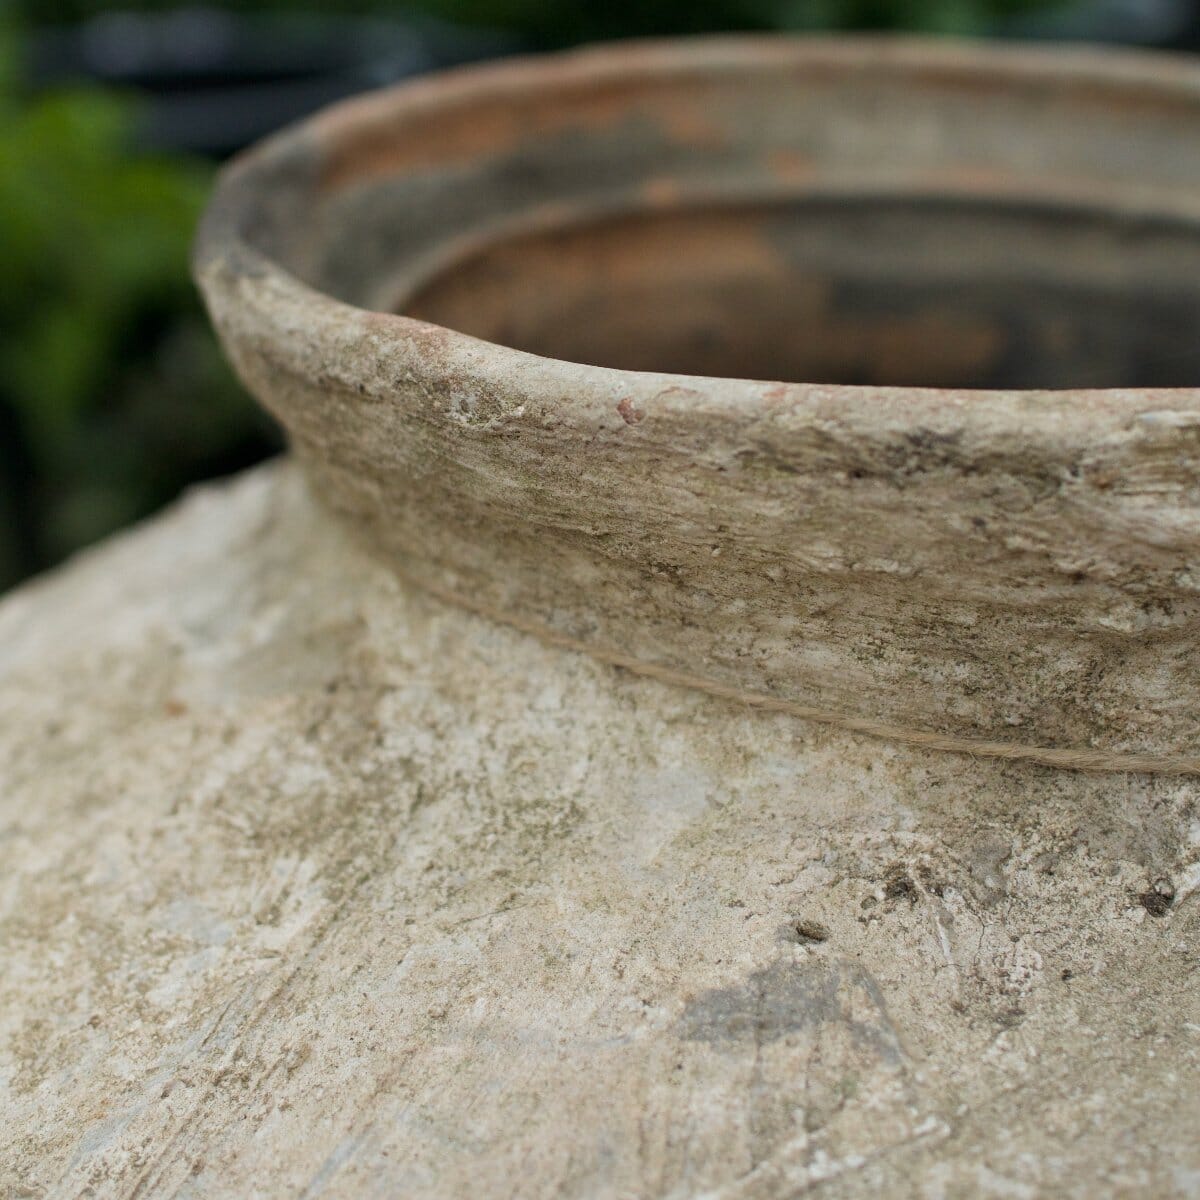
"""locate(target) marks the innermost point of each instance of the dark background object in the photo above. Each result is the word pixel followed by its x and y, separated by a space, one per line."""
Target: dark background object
pixel 113 397
pixel 213 81
pixel 1162 24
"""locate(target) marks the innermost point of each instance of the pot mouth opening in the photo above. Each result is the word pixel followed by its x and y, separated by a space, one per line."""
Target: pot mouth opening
pixel 886 291
pixel 846 212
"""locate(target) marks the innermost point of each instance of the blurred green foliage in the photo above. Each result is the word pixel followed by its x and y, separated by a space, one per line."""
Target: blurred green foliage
pixel 558 23
pixel 112 392
pixel 561 22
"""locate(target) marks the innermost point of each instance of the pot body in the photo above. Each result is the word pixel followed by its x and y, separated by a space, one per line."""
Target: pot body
pixel 315 884
pixel 436 812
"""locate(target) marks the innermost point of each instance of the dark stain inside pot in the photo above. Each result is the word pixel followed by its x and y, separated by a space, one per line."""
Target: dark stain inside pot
pixel 886 291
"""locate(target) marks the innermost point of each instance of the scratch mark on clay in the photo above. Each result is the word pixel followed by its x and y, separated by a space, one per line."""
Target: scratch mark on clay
pixel 338 1157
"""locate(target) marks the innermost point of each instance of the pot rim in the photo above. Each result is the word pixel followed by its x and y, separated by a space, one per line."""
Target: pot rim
pixel 1021 564
pixel 220 245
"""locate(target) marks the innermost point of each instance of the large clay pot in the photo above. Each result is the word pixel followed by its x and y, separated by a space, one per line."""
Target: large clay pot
pixel 571 779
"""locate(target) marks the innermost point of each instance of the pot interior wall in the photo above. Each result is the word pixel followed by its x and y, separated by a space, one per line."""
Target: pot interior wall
pixel 865 290
pixel 806 211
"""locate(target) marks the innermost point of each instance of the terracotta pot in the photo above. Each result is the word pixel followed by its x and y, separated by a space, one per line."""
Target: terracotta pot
pixel 972 515
pixel 442 813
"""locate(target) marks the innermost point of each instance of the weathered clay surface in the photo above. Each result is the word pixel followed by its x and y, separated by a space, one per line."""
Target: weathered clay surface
pixel 1016 563
pixel 313 885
